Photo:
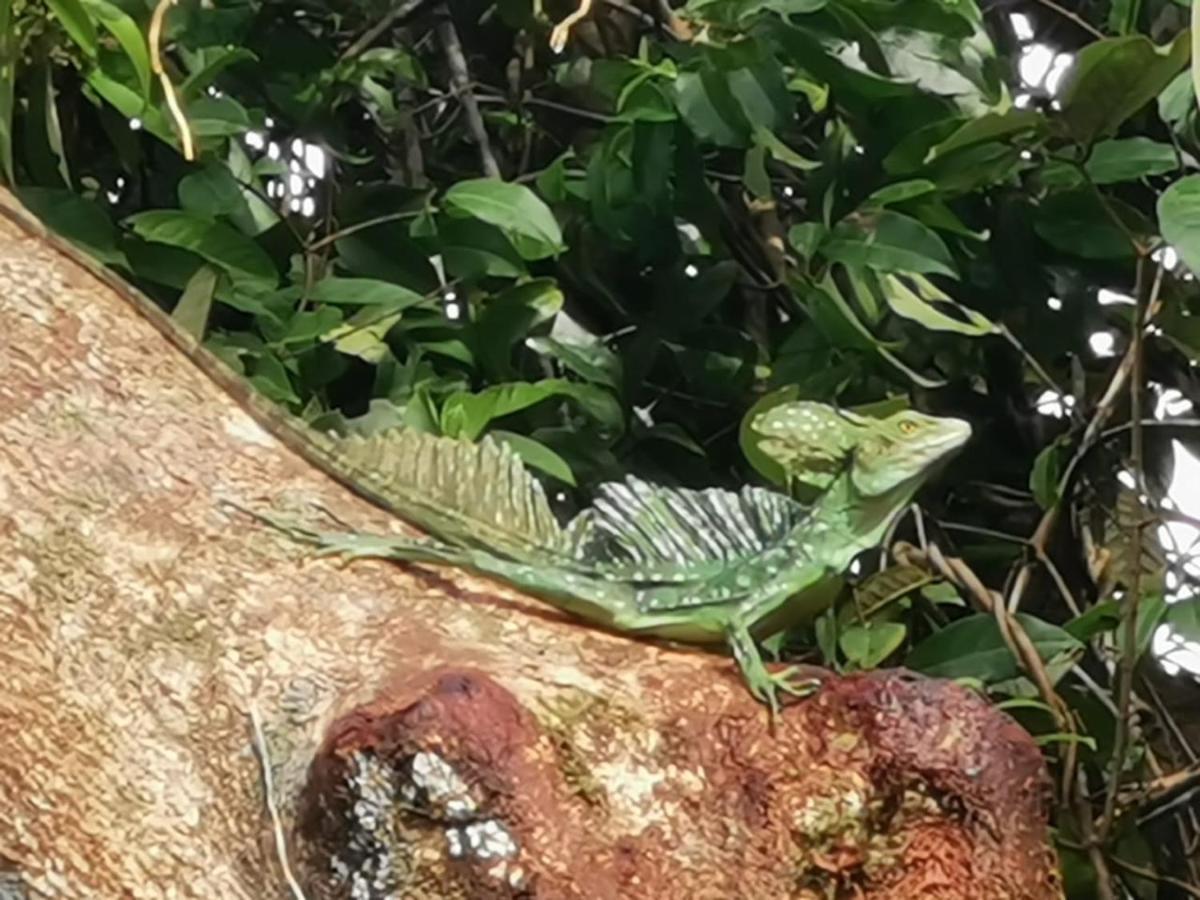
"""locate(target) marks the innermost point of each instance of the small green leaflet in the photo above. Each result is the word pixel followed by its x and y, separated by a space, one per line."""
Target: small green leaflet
pixel 923 303
pixel 866 646
pixel 514 209
pixel 889 241
pixel 192 310
pixel 973 647
pixel 1179 218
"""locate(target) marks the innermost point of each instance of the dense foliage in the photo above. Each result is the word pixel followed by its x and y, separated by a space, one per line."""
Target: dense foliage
pixel 420 214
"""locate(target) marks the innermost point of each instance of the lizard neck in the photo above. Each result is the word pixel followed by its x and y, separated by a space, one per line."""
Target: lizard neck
pixel 844 522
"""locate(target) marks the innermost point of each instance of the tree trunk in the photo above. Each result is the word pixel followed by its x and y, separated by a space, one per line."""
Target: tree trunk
pixel 429 734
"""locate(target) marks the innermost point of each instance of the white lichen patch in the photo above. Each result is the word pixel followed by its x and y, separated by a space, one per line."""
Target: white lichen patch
pixel 369 866
pixel 840 809
pixel 239 425
pixel 434 785
pixel 489 844
pixel 632 794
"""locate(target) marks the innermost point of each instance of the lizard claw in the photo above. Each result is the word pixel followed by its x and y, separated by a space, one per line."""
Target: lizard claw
pixel 768 686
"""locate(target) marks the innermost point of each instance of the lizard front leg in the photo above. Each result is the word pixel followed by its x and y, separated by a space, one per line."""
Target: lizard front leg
pixel 763 684
pixel 562 31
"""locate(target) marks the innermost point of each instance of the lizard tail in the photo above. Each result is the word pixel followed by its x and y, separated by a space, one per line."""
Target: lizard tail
pixel 593 600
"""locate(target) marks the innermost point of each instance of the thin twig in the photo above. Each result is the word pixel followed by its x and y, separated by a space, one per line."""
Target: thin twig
pixel 1073 17
pixel 371 35
pixel 358 226
pixel 460 83
pixel 1037 367
pixel 1093 434
pixel 154 40
pixel 1147 296
pixel 260 745
pixel 1150 875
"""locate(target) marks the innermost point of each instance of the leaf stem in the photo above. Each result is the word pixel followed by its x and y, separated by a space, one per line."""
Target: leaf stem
pixel 1147 298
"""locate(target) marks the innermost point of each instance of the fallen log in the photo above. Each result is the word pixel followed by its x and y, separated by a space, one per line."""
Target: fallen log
pixel 191 708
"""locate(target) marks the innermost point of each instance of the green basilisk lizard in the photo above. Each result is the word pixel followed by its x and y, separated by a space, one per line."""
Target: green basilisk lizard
pixel 703 566
pixel 696 566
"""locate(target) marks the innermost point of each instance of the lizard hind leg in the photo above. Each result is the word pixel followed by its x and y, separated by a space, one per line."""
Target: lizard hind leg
pixel 763 684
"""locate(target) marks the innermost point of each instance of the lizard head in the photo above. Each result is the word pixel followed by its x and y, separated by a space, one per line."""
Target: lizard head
pixel 816 443
pixel 902 450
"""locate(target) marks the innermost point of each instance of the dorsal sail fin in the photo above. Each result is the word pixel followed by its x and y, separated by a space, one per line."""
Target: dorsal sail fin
pixel 466 494
pixel 639 526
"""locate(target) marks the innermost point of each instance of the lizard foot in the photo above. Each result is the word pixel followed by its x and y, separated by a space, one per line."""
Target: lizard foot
pixel 767 686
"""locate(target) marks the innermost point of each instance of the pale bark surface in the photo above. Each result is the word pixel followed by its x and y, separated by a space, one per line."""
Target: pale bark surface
pixel 140 620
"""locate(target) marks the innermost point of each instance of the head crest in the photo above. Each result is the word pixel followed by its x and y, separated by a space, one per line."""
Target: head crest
pixel 810 441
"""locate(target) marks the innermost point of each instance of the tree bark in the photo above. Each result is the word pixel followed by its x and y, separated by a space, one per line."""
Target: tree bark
pixel 429 734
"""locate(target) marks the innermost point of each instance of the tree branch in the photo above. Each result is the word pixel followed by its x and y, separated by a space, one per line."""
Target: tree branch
pixel 460 84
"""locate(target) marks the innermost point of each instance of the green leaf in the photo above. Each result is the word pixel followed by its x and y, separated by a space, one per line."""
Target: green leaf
pixel 128 35
pixel 880 590
pixel 467 415
pixel 242 259
pixel 890 241
pixel 1101 617
pixel 214 191
pixel 590 359
pixel 192 310
pixel 919 300
pixel 509 318
pixel 1047 472
pixel 365 292
pixel 754 173
pixel 1128 159
pixel 709 108
pixel 973 648
pixel 1178 100
pixel 1076 222
pixel 1114 78
pixel 217 59
pixel 781 152
pixel 80 221
pixel 365 338
pixel 866 646
pixel 1184 618
pixel 8 78
pixel 806 238
pixel 514 209
pixel 1152 610
pixel 899 192
pixel 989 127
pixel 1179 218
pixel 77 23
pixel 45 156
pixel 537 455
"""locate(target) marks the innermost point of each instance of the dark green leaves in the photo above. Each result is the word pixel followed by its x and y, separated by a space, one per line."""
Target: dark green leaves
pixel 1129 158
pixel 916 298
pixel 1179 217
pixel 467 415
pixel 78 220
pixel 128 36
pixel 514 209
pixel 77 23
pixel 1114 78
pixel 890 241
pixel 241 259
pixel 973 648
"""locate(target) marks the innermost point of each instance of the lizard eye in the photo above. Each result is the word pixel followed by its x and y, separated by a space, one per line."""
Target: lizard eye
pixel 908 426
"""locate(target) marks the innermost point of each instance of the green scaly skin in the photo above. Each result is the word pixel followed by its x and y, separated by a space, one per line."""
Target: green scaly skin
pixel 716 588
pixel 866 469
